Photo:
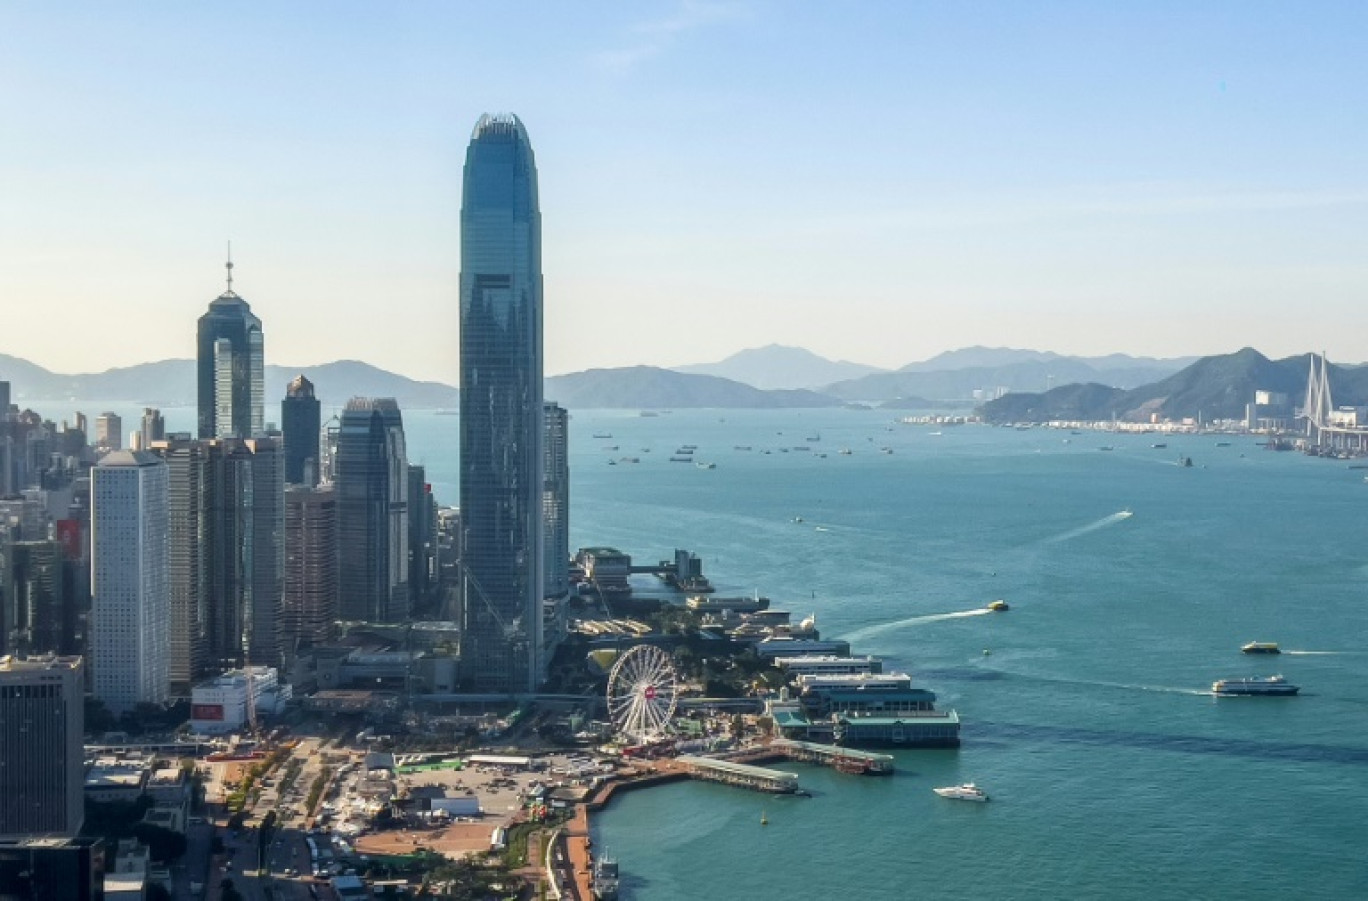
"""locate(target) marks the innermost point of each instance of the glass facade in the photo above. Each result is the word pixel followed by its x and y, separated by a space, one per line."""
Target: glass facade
pixel 231 368
pixel 501 410
pixel 372 512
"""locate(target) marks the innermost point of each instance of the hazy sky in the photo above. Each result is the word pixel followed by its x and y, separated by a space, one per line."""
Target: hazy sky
pixel 874 181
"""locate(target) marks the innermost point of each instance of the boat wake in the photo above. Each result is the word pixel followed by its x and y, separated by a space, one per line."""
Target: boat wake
pixel 1102 523
pixel 1122 686
pixel 1317 653
pixel 880 628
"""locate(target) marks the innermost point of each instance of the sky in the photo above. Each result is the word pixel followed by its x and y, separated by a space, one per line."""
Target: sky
pixel 874 181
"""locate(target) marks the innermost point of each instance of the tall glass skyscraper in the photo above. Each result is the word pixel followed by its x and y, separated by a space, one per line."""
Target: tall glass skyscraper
pixel 372 512
pixel 231 368
pixel 501 410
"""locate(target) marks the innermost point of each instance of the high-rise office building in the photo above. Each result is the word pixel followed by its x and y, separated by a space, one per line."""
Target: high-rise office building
pixel 190 558
pixel 422 541
pixel 153 427
pixel 42 765
pixel 131 606
pixel 309 606
pixel 556 501
pixel 501 410
pixel 371 478
pixel 247 529
pixel 108 431
pixel 300 422
pixel 40 606
pixel 227 553
pixel 230 366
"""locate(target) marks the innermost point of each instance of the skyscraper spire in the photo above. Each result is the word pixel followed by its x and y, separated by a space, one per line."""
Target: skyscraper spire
pixel 229 267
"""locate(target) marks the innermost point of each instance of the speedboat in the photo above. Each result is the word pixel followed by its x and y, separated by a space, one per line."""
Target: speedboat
pixel 966 792
pixel 998 606
pixel 1260 647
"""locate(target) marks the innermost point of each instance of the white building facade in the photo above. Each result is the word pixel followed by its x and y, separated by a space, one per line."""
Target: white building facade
pixel 131 603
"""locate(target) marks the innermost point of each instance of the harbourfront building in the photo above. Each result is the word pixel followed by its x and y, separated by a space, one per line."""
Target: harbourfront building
pixel 42 721
pixel 300 422
pixel 230 368
pixel 372 512
pixel 501 421
pixel 131 606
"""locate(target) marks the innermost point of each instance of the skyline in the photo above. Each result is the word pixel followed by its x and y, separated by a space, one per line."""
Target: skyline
pixel 877 183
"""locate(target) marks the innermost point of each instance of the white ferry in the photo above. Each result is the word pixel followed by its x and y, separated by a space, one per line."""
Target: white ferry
pixel 1273 685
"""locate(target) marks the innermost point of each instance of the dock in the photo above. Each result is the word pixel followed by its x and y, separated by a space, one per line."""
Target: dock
pixel 846 760
pixel 742 775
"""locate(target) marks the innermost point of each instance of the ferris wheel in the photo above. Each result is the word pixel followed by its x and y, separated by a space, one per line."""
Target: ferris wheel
pixel 642 690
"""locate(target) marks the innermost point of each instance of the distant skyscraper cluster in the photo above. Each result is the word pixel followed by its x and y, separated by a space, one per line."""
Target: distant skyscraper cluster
pixel 151 560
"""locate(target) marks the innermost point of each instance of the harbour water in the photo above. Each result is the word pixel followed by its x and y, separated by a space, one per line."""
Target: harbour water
pixel 1113 772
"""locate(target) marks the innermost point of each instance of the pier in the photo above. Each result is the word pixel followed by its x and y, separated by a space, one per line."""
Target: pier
pixel 740 774
pixel 846 760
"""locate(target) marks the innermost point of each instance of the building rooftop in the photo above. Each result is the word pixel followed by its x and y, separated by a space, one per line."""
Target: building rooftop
pixel 10 663
pixel 130 458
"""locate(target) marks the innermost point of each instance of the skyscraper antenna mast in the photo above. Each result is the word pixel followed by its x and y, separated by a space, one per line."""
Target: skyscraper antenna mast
pixel 229 266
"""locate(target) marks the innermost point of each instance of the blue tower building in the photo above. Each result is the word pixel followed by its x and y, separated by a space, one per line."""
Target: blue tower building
pixel 501 410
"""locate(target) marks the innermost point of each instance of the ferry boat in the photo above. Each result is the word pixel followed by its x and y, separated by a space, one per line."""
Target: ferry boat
pixel 1260 647
pixel 605 884
pixel 999 606
pixel 966 792
pixel 1272 685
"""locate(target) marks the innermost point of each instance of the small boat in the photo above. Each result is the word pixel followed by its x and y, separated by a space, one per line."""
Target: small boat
pixel 1260 647
pixel 999 606
pixel 764 820
pixel 966 792
pixel 701 465
pixel 845 452
pixel 822 529
pixel 603 434
pixel 1157 446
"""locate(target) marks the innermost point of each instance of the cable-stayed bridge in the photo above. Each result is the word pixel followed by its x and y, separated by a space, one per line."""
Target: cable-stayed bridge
pixel 1331 430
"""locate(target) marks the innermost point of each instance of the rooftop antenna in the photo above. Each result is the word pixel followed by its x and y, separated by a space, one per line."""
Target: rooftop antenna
pixel 229 267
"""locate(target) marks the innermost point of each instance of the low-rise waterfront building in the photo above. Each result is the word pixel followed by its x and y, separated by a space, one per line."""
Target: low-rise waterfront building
pixel 824 664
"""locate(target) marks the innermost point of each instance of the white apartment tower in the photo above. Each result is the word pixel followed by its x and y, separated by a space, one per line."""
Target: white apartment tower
pixel 131 601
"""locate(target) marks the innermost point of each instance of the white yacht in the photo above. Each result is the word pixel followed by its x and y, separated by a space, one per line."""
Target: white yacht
pixel 966 792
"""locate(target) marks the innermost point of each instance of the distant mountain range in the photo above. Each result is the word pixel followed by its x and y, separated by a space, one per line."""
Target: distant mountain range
pixel 171 383
pixel 951 377
pixel 647 387
pixel 1079 387
pixel 1216 387
pixel 776 366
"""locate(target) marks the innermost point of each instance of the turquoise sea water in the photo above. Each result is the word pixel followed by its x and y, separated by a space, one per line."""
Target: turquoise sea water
pixel 1113 773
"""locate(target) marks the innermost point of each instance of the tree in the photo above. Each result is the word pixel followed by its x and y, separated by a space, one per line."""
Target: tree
pixel 157 892
pixel 163 844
